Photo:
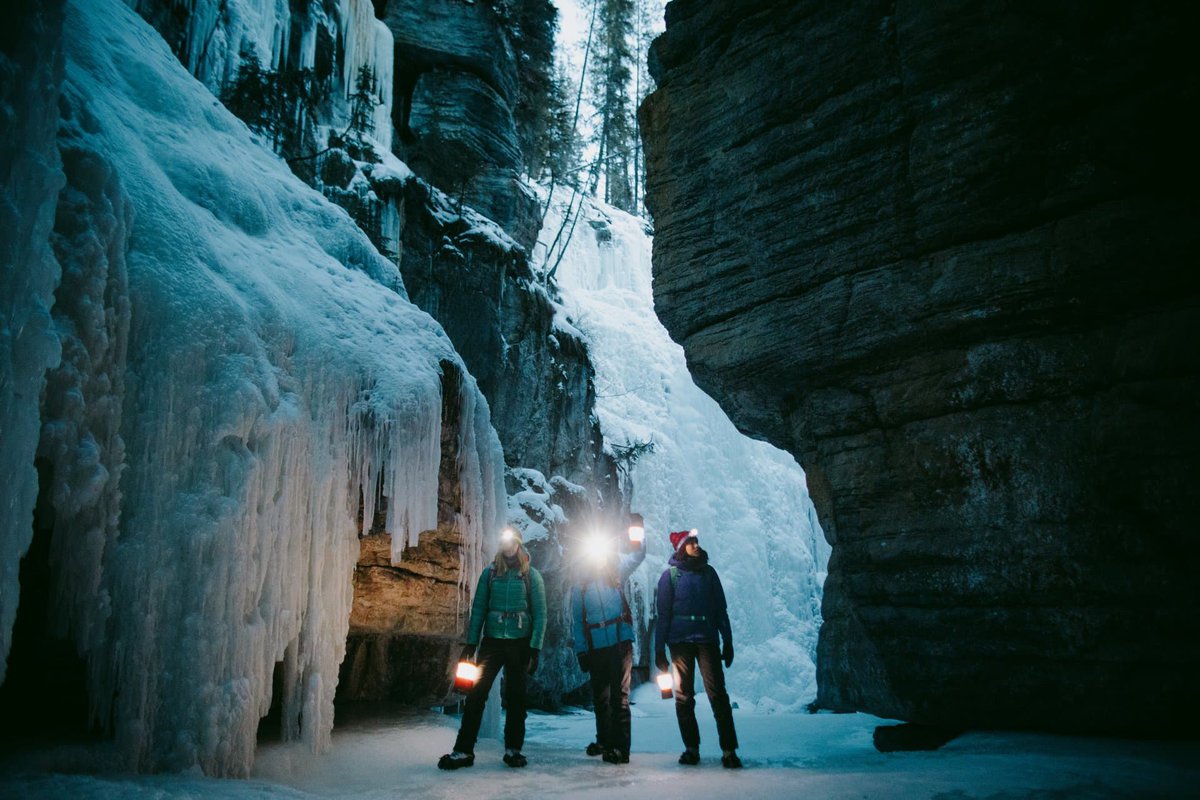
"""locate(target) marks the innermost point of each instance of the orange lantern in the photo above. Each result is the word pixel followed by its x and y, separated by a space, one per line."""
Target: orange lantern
pixel 466 676
pixel 665 685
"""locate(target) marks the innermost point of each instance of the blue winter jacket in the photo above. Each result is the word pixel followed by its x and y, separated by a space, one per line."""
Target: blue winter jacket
pixel 693 609
pixel 602 602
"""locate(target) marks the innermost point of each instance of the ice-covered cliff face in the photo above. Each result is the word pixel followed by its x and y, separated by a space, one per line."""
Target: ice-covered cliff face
pixel 30 177
pixel 333 39
pixel 241 370
pixel 748 499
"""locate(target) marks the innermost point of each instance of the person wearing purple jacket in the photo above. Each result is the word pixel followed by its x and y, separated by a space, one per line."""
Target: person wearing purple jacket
pixel 694 622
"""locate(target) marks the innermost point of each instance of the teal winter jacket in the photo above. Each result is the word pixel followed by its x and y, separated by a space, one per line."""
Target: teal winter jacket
pixel 502 611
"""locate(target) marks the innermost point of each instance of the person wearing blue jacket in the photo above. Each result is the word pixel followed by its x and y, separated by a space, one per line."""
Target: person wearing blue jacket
pixel 693 621
pixel 603 636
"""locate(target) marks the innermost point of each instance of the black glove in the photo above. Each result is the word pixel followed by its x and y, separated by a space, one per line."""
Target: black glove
pixel 533 661
pixel 660 660
pixel 727 654
pixel 585 661
pixel 468 654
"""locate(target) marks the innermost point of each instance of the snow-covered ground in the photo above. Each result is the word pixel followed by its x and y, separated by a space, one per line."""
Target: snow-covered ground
pixel 823 756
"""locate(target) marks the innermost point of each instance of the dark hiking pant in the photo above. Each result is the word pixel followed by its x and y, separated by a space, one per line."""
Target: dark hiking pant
pixel 684 658
pixel 611 668
pixel 511 655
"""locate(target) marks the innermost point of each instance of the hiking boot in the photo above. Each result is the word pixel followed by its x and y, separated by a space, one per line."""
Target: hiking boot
pixel 456 760
pixel 615 757
pixel 730 760
pixel 514 758
pixel 690 757
pixel 594 749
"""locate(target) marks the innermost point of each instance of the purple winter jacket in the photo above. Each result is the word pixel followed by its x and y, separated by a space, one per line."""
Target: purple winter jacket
pixel 694 609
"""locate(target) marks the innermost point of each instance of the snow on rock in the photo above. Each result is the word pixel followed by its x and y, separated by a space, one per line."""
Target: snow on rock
pixel 749 500
pixel 531 508
pixel 273 374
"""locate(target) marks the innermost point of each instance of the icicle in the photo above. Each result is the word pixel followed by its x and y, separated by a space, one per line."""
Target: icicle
pixel 383 59
pixel 271 385
pixel 368 42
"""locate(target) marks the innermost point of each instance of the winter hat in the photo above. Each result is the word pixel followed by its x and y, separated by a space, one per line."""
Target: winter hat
pixel 679 537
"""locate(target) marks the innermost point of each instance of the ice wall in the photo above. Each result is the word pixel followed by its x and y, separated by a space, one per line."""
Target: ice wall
pixel 215 33
pixel 242 375
pixel 749 500
pixel 30 177
pixel 369 43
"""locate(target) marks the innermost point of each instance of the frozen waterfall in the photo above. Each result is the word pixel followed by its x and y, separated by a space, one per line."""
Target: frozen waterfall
pixel 240 367
pixel 748 499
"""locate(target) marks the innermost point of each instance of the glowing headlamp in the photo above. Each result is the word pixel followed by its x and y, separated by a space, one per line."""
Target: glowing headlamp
pixel 507 535
pixel 596 547
pixel 466 676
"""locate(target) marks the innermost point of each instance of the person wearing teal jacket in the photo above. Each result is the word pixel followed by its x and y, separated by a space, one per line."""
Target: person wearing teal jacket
pixel 509 613
pixel 603 636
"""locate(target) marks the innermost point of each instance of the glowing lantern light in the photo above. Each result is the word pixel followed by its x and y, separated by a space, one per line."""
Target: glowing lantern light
pixel 665 685
pixel 466 676
pixel 637 529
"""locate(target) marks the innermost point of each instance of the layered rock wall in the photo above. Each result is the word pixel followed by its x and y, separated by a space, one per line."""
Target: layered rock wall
pixel 946 257
pixel 457 81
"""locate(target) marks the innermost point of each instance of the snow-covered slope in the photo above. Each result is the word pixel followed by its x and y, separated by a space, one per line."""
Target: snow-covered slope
pixel 749 500
pixel 273 372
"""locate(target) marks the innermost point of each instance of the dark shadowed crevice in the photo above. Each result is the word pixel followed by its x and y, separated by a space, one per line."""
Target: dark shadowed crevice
pixel 44 695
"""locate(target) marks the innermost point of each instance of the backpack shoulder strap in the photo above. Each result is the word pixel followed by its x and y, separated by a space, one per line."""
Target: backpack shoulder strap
pixel 587 628
pixel 674 577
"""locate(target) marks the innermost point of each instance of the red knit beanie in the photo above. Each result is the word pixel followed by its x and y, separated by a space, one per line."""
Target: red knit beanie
pixel 678 538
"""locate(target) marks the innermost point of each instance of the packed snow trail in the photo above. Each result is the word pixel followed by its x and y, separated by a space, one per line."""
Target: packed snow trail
pixel 819 756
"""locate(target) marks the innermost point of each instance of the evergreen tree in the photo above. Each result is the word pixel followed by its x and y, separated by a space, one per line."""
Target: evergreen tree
pixel 561 146
pixel 363 102
pixel 611 93
pixel 531 25
pixel 280 106
pixel 643 84
pixel 251 95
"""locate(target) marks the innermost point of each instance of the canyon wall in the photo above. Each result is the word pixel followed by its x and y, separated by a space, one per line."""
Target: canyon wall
pixel 947 258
